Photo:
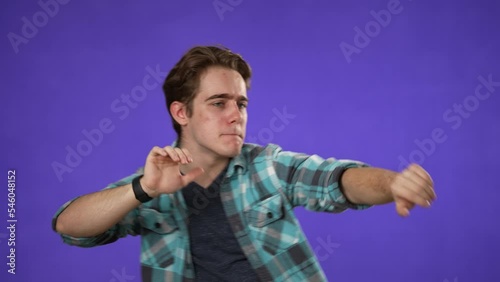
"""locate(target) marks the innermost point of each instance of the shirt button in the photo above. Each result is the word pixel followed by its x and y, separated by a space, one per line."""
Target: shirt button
pixel 269 215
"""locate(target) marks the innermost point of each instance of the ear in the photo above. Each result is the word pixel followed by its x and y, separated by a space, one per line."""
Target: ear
pixel 179 112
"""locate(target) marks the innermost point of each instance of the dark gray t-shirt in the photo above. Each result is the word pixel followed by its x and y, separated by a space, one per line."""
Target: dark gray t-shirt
pixel 217 256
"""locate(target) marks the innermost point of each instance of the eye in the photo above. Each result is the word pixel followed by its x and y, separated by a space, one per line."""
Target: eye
pixel 242 105
pixel 218 104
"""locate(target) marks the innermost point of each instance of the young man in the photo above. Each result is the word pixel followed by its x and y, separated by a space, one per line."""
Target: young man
pixel 212 208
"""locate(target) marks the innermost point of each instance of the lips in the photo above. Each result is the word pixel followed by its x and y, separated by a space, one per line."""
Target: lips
pixel 232 134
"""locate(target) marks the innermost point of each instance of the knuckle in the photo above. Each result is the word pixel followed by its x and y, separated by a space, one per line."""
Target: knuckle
pixel 415 166
pixel 407 173
pixel 421 184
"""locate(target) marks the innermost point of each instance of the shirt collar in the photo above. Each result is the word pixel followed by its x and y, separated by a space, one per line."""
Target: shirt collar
pixel 234 163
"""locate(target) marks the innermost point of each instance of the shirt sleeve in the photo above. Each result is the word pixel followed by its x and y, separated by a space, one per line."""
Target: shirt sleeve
pixel 312 182
pixel 129 225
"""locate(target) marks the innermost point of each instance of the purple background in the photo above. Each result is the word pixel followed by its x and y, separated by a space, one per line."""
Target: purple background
pixel 376 108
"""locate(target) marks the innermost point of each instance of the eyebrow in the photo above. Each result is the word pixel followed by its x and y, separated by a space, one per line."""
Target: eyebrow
pixel 225 96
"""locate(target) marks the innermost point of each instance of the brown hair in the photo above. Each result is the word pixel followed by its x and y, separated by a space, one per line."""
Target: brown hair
pixel 183 80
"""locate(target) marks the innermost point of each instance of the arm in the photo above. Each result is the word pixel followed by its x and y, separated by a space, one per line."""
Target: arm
pixel 93 214
pixel 313 182
pixel 367 185
pixel 376 186
pixel 334 185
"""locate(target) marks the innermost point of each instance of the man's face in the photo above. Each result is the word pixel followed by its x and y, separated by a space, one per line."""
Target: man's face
pixel 218 122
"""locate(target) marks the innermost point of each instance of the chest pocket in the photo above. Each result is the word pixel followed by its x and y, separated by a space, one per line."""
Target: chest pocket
pixel 159 238
pixel 272 225
pixel 156 221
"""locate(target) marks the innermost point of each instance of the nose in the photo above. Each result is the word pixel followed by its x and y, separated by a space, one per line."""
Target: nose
pixel 235 113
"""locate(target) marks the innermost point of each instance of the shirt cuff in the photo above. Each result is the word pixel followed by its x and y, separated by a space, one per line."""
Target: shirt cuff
pixel 342 198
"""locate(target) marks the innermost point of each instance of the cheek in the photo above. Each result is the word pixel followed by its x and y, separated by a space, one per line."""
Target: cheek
pixel 207 122
pixel 203 117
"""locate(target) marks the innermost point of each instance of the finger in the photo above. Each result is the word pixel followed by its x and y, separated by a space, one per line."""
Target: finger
pixel 403 207
pixel 424 175
pixel 172 154
pixel 401 189
pixel 421 172
pixel 190 176
pixel 414 182
pixel 181 155
pixel 158 151
pixel 187 154
pixel 408 194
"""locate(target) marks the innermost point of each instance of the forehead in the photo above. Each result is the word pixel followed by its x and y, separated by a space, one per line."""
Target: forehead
pixel 220 80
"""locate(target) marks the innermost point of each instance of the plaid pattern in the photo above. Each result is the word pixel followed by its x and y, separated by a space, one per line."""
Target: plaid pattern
pixel 259 191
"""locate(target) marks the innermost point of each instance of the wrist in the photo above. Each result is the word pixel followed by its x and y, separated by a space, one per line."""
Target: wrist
pixel 150 191
pixel 390 178
pixel 140 194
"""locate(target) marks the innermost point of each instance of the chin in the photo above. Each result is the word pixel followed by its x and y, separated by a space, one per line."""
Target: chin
pixel 231 151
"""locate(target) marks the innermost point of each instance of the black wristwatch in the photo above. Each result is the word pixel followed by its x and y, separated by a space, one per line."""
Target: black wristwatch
pixel 139 193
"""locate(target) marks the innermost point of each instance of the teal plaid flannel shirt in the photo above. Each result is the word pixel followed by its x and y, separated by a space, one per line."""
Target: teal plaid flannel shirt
pixel 261 187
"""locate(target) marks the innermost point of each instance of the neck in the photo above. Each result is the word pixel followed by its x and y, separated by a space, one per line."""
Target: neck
pixel 211 163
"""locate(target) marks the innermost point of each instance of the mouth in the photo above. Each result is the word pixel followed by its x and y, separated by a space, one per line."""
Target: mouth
pixel 233 135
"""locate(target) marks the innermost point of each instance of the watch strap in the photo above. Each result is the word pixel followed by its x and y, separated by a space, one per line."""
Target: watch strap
pixel 139 193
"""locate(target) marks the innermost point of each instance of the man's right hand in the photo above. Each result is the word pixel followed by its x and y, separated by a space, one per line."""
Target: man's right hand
pixel 162 171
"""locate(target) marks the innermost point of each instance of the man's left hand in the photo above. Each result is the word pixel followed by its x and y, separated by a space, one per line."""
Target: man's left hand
pixel 413 186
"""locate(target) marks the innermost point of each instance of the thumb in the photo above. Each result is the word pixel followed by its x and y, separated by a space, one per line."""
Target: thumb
pixel 403 207
pixel 189 177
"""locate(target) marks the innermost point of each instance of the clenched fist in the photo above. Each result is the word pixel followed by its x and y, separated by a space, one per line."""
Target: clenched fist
pixel 413 186
pixel 162 171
